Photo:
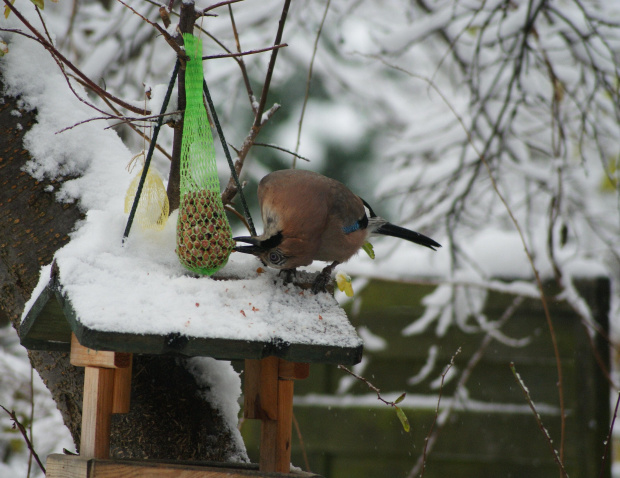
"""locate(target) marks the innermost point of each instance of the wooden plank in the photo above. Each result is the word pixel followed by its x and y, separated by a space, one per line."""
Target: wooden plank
pixel 85 357
pixel 220 348
pixel 64 466
pixel 97 412
pixel 285 417
pixel 121 398
pixel 268 442
pixel 268 412
pixel 268 388
pixel 251 389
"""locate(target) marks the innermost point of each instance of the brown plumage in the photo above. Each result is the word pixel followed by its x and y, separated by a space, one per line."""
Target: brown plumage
pixel 308 217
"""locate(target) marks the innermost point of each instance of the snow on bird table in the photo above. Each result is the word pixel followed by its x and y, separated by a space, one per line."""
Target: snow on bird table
pixel 122 294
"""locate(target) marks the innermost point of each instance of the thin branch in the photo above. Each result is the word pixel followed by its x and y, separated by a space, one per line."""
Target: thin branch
pixel 220 4
pixel 100 91
pixel 231 189
pixel 430 432
pixel 308 81
pixel 473 361
pixel 240 62
pixel 270 68
pixel 169 39
pixel 49 37
pixel 17 424
pixel 31 419
pixel 280 148
pixel 137 130
pixel 369 385
pixel 609 439
pixel 244 53
pixel 241 217
pixel 302 445
pixel 121 119
pixel 545 432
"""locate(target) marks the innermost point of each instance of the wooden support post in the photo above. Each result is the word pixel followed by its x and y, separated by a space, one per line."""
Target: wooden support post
pixel 268 396
pixel 97 412
pixel 122 389
pixel 107 387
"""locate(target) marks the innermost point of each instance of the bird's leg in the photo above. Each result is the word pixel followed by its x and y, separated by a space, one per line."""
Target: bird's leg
pixel 288 275
pixel 324 277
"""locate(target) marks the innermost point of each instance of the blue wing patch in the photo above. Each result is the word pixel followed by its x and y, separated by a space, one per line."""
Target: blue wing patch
pixel 359 224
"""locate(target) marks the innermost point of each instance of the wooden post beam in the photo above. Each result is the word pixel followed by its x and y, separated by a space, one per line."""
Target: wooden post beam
pixel 268 396
pixel 97 412
pixel 107 389
pixel 84 357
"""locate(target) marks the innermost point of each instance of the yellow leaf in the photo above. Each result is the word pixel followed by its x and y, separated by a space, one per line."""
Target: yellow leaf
pixel 344 283
pixel 7 10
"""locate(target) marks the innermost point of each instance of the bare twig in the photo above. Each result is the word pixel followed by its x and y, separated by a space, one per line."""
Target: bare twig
pixel 462 382
pixel 430 432
pixel 17 424
pixel 280 148
pixel 609 439
pixel 56 54
pixel 302 445
pixel 130 124
pixel 270 68
pixel 260 116
pixel 31 419
pixel 244 53
pixel 239 216
pixel 308 81
pixel 240 62
pixel 368 384
pixel 121 119
pixel 545 432
pixel 231 189
pixel 49 37
pixel 169 39
pixel 220 4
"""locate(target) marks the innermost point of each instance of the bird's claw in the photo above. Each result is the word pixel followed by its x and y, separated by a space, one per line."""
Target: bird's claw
pixel 288 275
pixel 324 278
pixel 321 281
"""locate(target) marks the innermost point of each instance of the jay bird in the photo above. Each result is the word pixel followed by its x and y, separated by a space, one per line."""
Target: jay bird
pixel 309 217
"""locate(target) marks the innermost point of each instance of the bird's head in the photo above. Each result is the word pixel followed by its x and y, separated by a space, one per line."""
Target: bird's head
pixel 267 249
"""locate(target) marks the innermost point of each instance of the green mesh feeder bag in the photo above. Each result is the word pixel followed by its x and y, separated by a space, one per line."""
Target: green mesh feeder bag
pixel 204 237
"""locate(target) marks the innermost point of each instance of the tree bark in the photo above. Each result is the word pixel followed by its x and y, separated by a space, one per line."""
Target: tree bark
pixel 168 419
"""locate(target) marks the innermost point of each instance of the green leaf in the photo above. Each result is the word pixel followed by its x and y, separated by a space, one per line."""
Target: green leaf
pixel 403 418
pixel 401 398
pixel 39 3
pixel 369 250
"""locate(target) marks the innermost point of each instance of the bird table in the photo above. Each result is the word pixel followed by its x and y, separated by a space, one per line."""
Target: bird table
pixel 59 319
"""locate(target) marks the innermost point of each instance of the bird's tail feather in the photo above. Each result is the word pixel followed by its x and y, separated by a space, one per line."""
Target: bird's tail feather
pixel 389 229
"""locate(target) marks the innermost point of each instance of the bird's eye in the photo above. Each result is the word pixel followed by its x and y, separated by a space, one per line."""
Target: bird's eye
pixel 274 257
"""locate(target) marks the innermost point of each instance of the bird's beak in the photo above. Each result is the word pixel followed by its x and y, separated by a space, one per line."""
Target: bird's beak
pixel 255 248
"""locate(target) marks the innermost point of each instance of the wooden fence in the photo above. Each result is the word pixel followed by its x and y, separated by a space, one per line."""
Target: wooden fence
pixel 491 431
